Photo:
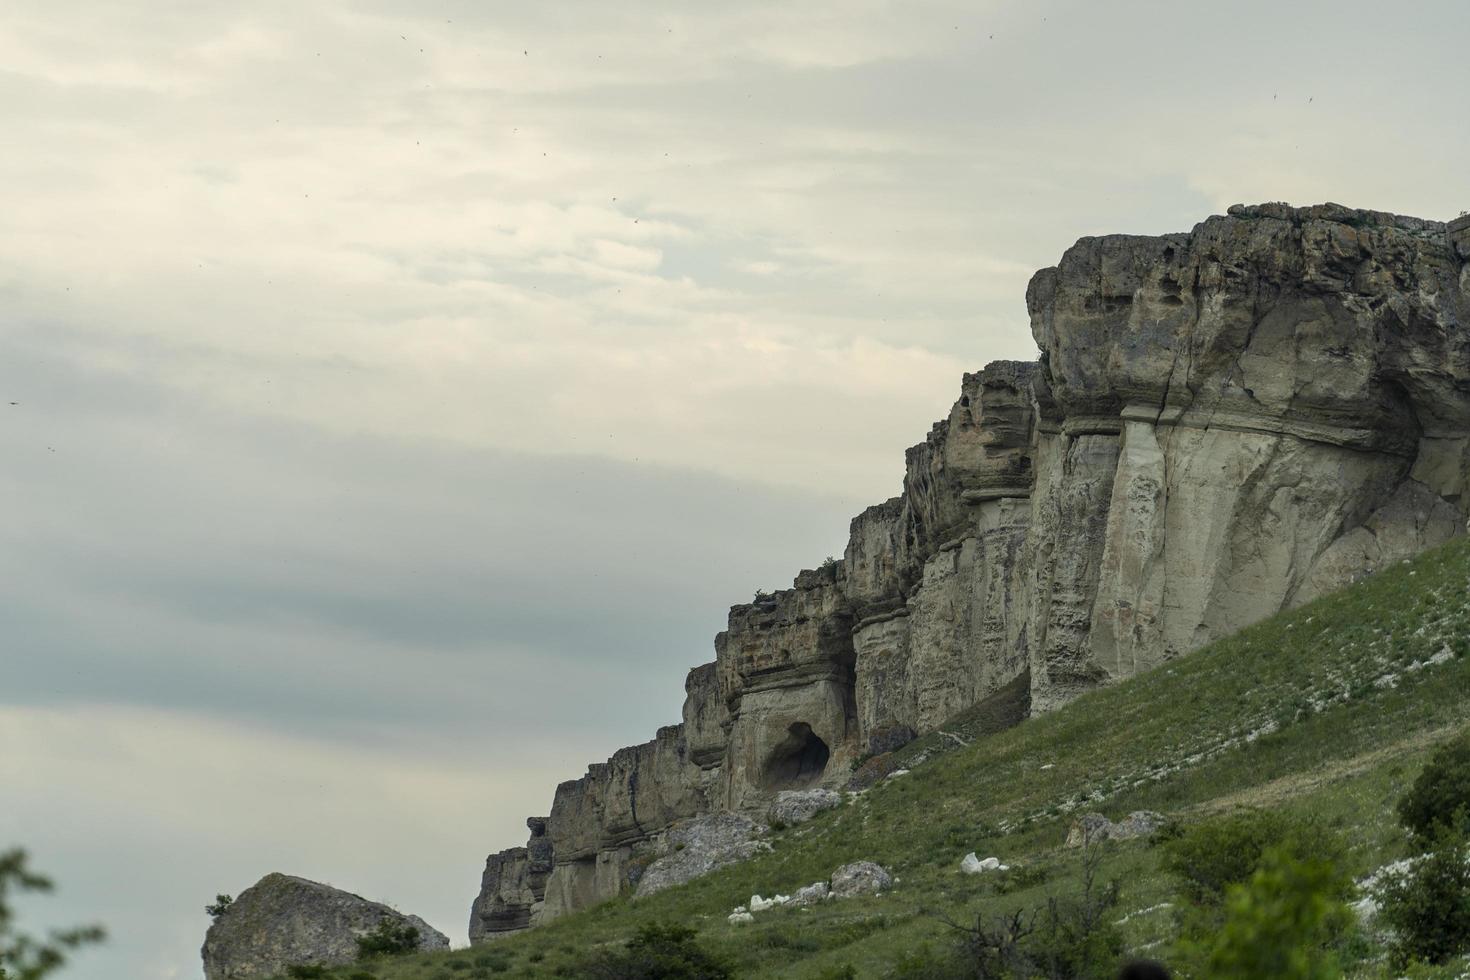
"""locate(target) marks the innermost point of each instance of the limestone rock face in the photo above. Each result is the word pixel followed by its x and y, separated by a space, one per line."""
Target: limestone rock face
pixel 281 921
pixel 513 887
pixel 1222 423
pixel 1233 421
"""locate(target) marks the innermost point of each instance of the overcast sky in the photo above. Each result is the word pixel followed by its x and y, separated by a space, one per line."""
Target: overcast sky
pixel 403 392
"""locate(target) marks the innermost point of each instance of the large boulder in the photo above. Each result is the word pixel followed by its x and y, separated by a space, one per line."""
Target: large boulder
pixel 282 921
pixel 860 878
pixel 1093 828
pixel 800 805
pixel 697 847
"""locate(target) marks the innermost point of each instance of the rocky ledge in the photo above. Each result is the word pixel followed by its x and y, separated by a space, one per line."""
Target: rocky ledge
pixel 1222 423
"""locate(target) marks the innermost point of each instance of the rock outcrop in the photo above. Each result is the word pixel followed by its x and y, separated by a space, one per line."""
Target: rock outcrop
pixel 282 921
pixel 513 886
pixel 1222 423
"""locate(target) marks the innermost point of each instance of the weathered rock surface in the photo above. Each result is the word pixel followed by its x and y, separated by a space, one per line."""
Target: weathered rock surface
pixel 798 806
pixel 1223 423
pixel 1093 828
pixel 281 921
pixel 859 878
pixel 697 847
pixel 513 887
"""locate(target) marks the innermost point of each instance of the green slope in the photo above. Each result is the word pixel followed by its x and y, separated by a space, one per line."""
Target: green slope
pixel 1331 708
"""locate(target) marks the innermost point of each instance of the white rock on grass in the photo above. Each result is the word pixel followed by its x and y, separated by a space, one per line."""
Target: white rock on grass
pixel 972 865
pixel 812 894
pixel 740 918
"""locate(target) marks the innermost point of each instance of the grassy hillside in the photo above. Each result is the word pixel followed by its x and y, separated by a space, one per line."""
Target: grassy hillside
pixel 1329 709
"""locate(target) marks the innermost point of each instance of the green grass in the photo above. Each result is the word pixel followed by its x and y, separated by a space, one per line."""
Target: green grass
pixel 1321 709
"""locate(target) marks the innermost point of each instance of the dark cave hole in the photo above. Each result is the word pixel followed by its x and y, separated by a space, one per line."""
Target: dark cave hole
pixel 798 761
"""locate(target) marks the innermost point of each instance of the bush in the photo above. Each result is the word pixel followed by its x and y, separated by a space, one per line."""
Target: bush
pixel 1428 907
pixel 306 971
pixel 1440 794
pixel 1218 860
pixel 657 952
pixel 1210 857
pixel 1287 922
pixel 221 904
pixel 388 939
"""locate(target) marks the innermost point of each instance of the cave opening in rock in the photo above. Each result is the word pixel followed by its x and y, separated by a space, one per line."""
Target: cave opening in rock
pixel 798 761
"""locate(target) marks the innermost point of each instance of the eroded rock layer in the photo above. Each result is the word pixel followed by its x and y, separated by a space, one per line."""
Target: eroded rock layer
pixel 1221 424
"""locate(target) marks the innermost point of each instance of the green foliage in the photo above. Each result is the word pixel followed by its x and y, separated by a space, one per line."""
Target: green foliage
pixel 658 951
pixel 1441 793
pixel 1219 866
pixel 1209 857
pixel 306 971
pixel 25 957
pixel 1287 922
pixel 220 906
pixel 388 939
pixel 1428 906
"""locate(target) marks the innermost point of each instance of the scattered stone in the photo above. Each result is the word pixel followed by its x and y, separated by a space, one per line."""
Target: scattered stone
pixel 896 773
pixel 972 865
pixel 813 894
pixel 859 878
pixel 758 904
pixel 699 846
pixel 282 921
pixel 798 806
pixel 740 918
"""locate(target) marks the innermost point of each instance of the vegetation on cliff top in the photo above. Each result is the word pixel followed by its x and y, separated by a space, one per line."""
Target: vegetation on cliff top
pixel 1328 711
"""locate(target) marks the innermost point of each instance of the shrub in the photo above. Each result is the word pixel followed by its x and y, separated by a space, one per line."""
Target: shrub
pixel 1213 860
pixel 657 952
pixel 1428 907
pixel 388 939
pixel 1287 922
pixel 306 971
pixel 1440 794
pixel 1210 857
pixel 1071 937
pixel 221 903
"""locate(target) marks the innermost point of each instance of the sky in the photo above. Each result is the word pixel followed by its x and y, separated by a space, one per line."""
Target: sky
pixel 394 397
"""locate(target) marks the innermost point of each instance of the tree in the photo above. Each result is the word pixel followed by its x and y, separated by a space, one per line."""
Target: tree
pixel 221 904
pixel 1440 794
pixel 1286 922
pixel 25 957
pixel 1428 906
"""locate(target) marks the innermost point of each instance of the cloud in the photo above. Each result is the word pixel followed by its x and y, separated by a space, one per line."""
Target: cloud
pixel 404 395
